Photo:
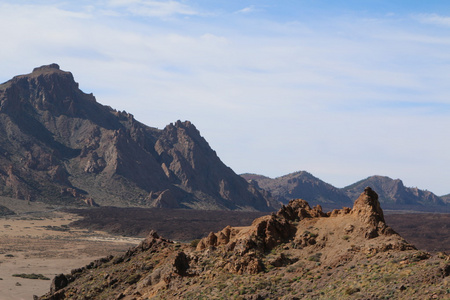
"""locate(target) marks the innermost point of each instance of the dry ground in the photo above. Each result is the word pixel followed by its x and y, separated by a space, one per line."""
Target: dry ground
pixel 42 243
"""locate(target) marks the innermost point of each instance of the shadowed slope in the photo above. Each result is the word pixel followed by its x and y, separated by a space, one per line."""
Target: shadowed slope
pixel 59 145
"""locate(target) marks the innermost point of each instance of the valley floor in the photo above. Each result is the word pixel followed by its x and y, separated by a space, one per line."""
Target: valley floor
pixel 42 243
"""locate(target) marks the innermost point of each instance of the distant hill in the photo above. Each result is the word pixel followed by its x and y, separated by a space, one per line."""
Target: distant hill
pixel 59 145
pixel 446 198
pixel 393 192
pixel 302 185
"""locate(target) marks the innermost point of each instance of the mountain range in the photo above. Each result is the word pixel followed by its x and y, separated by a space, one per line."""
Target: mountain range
pixel 59 145
pixel 392 192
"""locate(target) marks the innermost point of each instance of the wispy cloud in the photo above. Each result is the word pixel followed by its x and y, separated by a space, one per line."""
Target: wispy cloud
pixel 343 98
pixel 433 19
pixel 247 10
pixel 152 8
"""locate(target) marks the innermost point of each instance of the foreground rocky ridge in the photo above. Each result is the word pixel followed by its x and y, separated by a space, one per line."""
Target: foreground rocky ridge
pixel 58 145
pixel 295 253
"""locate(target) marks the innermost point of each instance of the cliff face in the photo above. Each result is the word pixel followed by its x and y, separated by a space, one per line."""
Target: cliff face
pixel 57 144
pixel 297 253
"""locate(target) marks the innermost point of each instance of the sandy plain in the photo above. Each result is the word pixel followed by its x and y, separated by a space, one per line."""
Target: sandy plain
pixel 38 240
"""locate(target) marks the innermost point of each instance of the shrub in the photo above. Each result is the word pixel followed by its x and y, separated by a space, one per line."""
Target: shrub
pixel 194 243
pixel 31 276
pixel 133 278
pixel 351 290
pixel 316 257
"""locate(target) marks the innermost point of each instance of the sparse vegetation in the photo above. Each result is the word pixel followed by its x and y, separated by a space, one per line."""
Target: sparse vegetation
pixel 351 290
pixel 316 257
pixel 31 276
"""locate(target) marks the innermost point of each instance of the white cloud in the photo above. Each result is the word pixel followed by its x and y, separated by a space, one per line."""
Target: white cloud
pixel 152 8
pixel 433 19
pixel 270 97
pixel 247 10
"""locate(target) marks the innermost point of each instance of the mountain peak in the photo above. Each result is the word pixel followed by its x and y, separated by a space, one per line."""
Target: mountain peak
pixel 48 70
pixel 50 67
pixel 56 136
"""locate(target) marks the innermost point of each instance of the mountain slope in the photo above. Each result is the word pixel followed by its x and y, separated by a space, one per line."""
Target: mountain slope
pixel 297 253
pixel 57 144
pixel 394 192
pixel 446 198
pixel 301 185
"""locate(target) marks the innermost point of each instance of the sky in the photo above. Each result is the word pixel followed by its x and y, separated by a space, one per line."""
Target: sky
pixel 341 89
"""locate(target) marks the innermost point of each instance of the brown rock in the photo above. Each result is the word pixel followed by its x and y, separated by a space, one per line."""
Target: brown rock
pixel 56 137
pixel 367 208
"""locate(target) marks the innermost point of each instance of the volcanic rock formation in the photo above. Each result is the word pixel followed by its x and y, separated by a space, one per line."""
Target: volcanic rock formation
pixel 58 145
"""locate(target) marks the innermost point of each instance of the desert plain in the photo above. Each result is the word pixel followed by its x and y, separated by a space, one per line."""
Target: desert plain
pixel 38 240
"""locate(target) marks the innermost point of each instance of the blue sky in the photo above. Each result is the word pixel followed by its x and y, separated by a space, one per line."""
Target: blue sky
pixel 342 89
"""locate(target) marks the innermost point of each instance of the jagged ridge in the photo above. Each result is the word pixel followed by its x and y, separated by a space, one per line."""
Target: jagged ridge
pixel 280 256
pixel 392 192
pixel 302 185
pixel 59 145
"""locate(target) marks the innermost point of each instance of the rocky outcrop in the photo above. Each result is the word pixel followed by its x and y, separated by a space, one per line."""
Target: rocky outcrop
pixel 59 145
pixel 59 282
pixel 278 255
pixel 269 232
pixel 368 209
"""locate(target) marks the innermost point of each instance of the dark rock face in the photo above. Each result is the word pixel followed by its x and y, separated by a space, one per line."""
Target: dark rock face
pixel 181 264
pixel 60 281
pixel 58 144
